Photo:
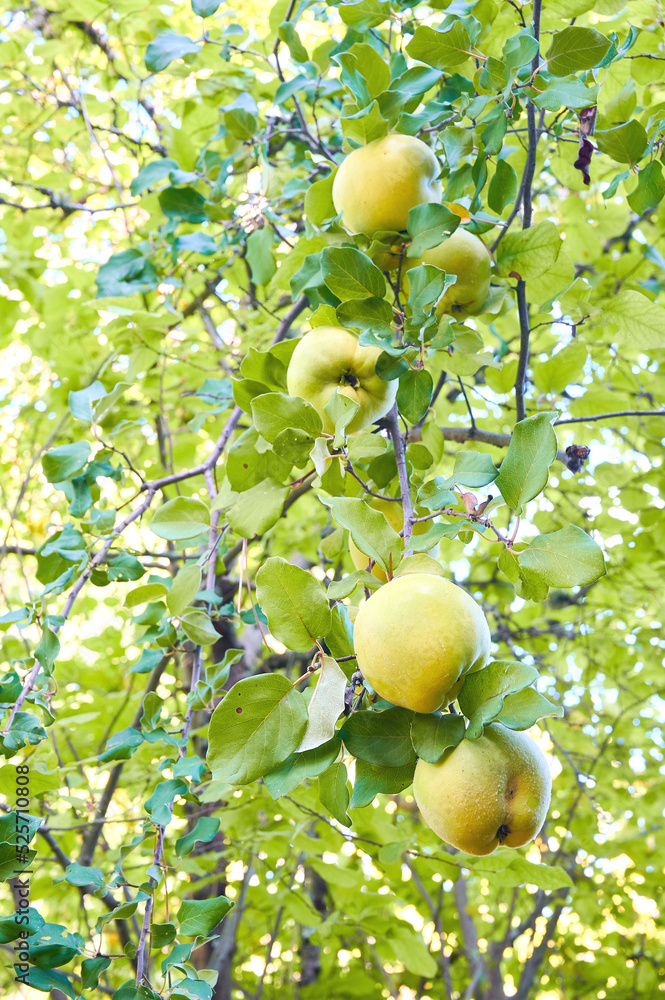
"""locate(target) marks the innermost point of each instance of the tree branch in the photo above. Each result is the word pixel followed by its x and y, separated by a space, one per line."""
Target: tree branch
pixel 93 835
pixel 462 434
pixel 533 962
pixel 400 458
pixel 610 416
pixel 90 890
pixel 468 928
pixel 527 208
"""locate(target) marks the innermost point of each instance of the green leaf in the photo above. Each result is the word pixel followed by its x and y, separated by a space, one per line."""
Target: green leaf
pixel 503 187
pixel 340 637
pixel 410 949
pixel 562 369
pixel 339 589
pixel 441 49
pixel 204 831
pixel 145 594
pixel 640 323
pixel 529 253
pixel 198 627
pixel 576 48
pixel 372 779
pixel 625 143
pixel 204 8
pixel 77 874
pixel 365 13
pixel 474 469
pixel 428 225
pixel 184 588
pixel 91 970
pixel 294 603
pixel 200 916
pixel 369 529
pixel 334 792
pixel 288 34
pixel 153 172
pixel 64 462
pixel 381 738
pixel 566 92
pixel 159 805
pixel 299 766
pixel 47 650
pixel 493 133
pixel 48 981
pixel 325 706
pixel 126 273
pixel 457 143
pixel 259 255
pixel 80 403
pixel 523 872
pixel 365 125
pixel 483 693
pixel 319 205
pixel 181 519
pixel 524 471
pixel 565 558
pixel 259 723
pixel 340 411
pixel 182 203
pixel 523 709
pixel 258 509
pixel 432 735
pixel 25 729
pixel 519 50
pixel 414 394
pixel 241 123
pixel 275 412
pixel 427 283
pixel 350 274
pixel 650 189
pixel 167 47
pixel 371 314
pixel 162 935
pixel 195 243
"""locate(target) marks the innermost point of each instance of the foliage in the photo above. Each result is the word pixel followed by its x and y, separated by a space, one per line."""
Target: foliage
pixel 219 808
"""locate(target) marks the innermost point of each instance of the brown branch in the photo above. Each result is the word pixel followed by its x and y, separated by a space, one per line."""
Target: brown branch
pixel 90 842
pixel 402 474
pixel 469 935
pixel 290 317
pixel 533 962
pixel 527 208
pixel 90 890
pixel 435 911
pixel 494 438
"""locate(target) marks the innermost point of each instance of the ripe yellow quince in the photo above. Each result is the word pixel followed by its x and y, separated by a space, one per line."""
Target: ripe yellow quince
pixel 377 184
pixel 464 255
pixel 485 792
pixel 417 637
pixel 330 358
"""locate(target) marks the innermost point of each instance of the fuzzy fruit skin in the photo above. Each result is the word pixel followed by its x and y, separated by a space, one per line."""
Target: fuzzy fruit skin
pixel 466 256
pixel 416 637
pixel 377 184
pixel 394 514
pixel 485 792
pixel 324 360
